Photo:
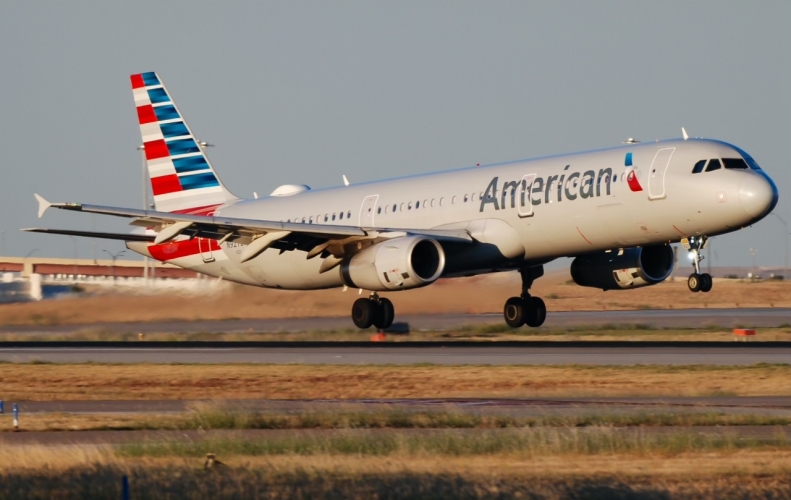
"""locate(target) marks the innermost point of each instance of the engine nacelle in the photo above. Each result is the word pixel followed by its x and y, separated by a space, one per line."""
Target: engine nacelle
pixel 629 268
pixel 396 264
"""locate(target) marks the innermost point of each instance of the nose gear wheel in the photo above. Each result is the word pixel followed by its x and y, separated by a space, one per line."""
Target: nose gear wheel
pixel 697 281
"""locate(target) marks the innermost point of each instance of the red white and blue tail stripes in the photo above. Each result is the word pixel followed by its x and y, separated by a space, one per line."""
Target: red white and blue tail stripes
pixel 182 179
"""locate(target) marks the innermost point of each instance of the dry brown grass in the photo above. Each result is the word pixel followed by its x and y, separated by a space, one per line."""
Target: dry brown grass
pixel 54 382
pixel 742 462
pixel 484 294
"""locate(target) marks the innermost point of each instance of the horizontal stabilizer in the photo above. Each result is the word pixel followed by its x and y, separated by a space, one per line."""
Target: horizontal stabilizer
pixel 43 204
pixel 92 234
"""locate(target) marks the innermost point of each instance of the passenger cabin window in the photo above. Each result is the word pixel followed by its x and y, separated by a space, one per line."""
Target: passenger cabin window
pixel 341 216
pixel 734 163
pixel 698 168
pixel 714 164
pixel 349 214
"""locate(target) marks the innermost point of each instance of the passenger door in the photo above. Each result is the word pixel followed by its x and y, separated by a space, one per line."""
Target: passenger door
pixel 525 202
pixel 656 176
pixel 367 211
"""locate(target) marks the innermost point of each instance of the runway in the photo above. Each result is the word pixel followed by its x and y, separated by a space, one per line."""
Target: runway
pixel 665 318
pixel 524 407
pixel 404 354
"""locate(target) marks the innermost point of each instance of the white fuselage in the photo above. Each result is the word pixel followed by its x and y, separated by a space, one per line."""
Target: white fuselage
pixel 524 211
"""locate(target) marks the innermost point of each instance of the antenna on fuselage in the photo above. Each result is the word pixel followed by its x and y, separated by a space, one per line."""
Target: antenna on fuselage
pixel 630 140
pixel 684 133
pixel 345 181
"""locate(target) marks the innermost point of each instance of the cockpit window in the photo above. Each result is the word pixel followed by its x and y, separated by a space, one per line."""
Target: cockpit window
pixel 698 168
pixel 734 163
pixel 714 164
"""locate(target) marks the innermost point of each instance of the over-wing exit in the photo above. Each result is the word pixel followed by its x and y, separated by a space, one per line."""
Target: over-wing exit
pixel 616 211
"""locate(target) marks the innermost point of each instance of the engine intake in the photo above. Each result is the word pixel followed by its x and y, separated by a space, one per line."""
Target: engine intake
pixel 629 268
pixel 397 264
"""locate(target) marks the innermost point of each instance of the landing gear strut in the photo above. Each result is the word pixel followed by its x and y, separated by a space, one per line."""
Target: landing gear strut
pixel 374 310
pixel 526 310
pixel 697 282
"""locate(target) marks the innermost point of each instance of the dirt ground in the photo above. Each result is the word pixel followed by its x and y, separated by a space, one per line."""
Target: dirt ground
pixel 45 382
pixel 484 294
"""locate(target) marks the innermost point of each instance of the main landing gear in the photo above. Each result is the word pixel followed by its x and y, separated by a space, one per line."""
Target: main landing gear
pixel 697 282
pixel 374 310
pixel 526 310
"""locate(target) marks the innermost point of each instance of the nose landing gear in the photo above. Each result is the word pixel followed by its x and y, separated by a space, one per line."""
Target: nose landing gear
pixel 697 282
pixel 526 310
pixel 373 311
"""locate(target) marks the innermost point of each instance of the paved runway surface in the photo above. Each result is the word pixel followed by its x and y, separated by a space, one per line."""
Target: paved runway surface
pixel 672 318
pixel 764 405
pixel 490 354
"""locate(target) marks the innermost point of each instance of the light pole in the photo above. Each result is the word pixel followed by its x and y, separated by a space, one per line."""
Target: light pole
pixel 74 242
pixel 785 240
pixel 754 251
pixel 114 256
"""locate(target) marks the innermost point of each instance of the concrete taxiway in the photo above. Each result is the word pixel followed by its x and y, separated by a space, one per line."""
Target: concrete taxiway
pixel 527 407
pixel 404 354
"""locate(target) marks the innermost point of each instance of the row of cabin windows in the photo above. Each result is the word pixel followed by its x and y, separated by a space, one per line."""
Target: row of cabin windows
pixel 404 206
pixel 716 164
pixel 325 217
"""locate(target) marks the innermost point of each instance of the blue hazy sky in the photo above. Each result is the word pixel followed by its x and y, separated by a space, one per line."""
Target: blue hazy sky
pixel 296 92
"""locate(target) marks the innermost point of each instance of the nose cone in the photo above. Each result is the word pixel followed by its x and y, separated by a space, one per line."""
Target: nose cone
pixel 757 195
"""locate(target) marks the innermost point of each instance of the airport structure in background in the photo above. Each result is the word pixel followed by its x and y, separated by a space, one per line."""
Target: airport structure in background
pixel 28 266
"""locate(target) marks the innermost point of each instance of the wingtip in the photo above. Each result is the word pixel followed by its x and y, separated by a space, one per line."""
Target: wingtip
pixel 43 204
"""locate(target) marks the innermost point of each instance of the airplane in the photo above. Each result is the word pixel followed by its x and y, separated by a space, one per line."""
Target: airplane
pixel 616 211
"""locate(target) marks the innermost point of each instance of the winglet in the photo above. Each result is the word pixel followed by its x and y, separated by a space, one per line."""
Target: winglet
pixel 684 133
pixel 43 204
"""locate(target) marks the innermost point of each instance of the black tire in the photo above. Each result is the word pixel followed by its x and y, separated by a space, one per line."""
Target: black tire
pixel 706 282
pixel 363 313
pixel 514 312
pixel 538 312
pixel 694 282
pixel 385 314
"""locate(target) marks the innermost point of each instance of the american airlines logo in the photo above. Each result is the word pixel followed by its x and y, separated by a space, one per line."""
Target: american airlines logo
pixel 588 184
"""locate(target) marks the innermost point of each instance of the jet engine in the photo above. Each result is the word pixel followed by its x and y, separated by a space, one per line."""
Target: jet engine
pixel 396 264
pixel 627 268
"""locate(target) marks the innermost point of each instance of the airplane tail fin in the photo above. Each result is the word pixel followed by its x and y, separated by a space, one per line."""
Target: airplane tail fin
pixel 182 178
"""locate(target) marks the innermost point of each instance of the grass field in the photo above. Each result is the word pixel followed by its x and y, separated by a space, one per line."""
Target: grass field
pixel 221 416
pixel 391 453
pixel 96 472
pixel 56 382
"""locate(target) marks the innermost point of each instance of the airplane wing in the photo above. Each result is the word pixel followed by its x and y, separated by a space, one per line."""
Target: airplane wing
pixel 93 234
pixel 258 235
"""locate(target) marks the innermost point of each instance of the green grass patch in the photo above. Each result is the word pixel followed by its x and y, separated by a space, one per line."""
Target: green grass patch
pixel 519 442
pixel 208 417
